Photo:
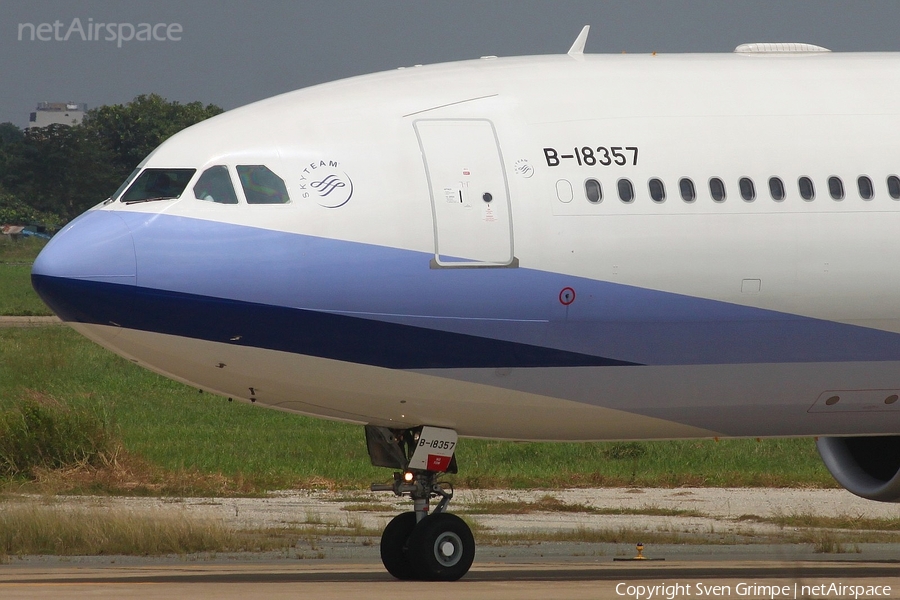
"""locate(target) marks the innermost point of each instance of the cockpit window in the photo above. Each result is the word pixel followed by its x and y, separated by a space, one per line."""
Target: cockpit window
pixel 158 184
pixel 261 185
pixel 125 184
pixel 214 185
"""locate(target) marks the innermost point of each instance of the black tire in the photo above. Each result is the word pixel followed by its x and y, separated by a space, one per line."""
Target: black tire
pixel 441 548
pixel 393 546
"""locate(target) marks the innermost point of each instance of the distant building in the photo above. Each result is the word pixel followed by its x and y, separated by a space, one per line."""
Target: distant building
pixel 62 113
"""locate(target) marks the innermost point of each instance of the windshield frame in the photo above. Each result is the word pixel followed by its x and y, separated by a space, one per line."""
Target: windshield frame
pixel 166 184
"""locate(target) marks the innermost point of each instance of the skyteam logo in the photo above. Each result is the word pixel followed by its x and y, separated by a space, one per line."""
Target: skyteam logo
pixel 327 184
pixel 523 168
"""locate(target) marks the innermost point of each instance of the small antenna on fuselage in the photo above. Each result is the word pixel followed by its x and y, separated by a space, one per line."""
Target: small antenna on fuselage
pixel 577 48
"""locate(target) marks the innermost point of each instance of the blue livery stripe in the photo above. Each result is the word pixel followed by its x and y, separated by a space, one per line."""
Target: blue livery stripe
pixel 501 308
pixel 299 331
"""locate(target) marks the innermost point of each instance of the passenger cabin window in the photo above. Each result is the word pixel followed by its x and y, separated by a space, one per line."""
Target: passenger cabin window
pixel 893 183
pixel 776 189
pixel 158 184
pixel 866 188
pixel 748 190
pixel 686 187
pixel 717 189
pixel 564 191
pixel 807 189
pixel 593 191
pixel 214 185
pixel 657 190
pixel 626 190
pixel 836 188
pixel 261 185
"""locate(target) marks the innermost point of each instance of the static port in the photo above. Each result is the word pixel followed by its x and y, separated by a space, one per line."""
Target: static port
pixel 833 400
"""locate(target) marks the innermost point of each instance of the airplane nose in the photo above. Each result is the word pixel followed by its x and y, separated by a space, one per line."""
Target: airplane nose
pixel 96 248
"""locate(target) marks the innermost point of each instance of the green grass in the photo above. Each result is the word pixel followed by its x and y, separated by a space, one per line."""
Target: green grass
pixel 16 294
pixel 39 435
pixel 24 250
pixel 173 426
pixel 60 531
pixel 739 463
pixel 215 446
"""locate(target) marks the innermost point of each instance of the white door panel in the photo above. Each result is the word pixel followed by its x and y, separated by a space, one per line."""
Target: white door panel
pixel 469 193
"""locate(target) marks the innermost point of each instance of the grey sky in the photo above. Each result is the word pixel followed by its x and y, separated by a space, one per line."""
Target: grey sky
pixel 231 53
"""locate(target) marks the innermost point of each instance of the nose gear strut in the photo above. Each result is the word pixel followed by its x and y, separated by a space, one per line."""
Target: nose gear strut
pixel 422 544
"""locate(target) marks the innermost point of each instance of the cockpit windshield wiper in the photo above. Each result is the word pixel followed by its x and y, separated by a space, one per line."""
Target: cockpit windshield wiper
pixel 152 199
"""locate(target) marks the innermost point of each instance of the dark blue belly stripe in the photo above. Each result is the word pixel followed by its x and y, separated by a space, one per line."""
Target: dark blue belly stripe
pixel 298 331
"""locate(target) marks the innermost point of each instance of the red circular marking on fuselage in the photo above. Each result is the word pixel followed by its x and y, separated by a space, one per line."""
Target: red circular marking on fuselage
pixel 566 296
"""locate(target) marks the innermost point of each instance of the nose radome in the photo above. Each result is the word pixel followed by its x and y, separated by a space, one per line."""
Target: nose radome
pixel 97 246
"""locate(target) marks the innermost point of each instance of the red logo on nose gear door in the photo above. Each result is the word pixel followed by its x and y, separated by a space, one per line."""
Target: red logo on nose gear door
pixel 438 463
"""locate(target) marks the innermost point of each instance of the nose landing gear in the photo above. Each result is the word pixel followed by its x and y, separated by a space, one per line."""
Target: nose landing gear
pixel 418 545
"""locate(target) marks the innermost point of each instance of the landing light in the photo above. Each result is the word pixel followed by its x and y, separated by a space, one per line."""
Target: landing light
pixel 408 477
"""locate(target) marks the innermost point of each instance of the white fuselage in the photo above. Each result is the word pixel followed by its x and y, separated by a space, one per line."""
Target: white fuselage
pixel 445 258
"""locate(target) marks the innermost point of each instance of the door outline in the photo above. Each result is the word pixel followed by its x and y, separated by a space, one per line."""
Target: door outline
pixel 436 262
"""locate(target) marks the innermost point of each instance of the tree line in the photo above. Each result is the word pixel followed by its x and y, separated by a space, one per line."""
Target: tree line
pixel 49 175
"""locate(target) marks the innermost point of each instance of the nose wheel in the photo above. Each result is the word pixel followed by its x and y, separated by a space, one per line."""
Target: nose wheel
pixel 441 548
pixel 394 545
pixel 438 548
pixel 417 545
